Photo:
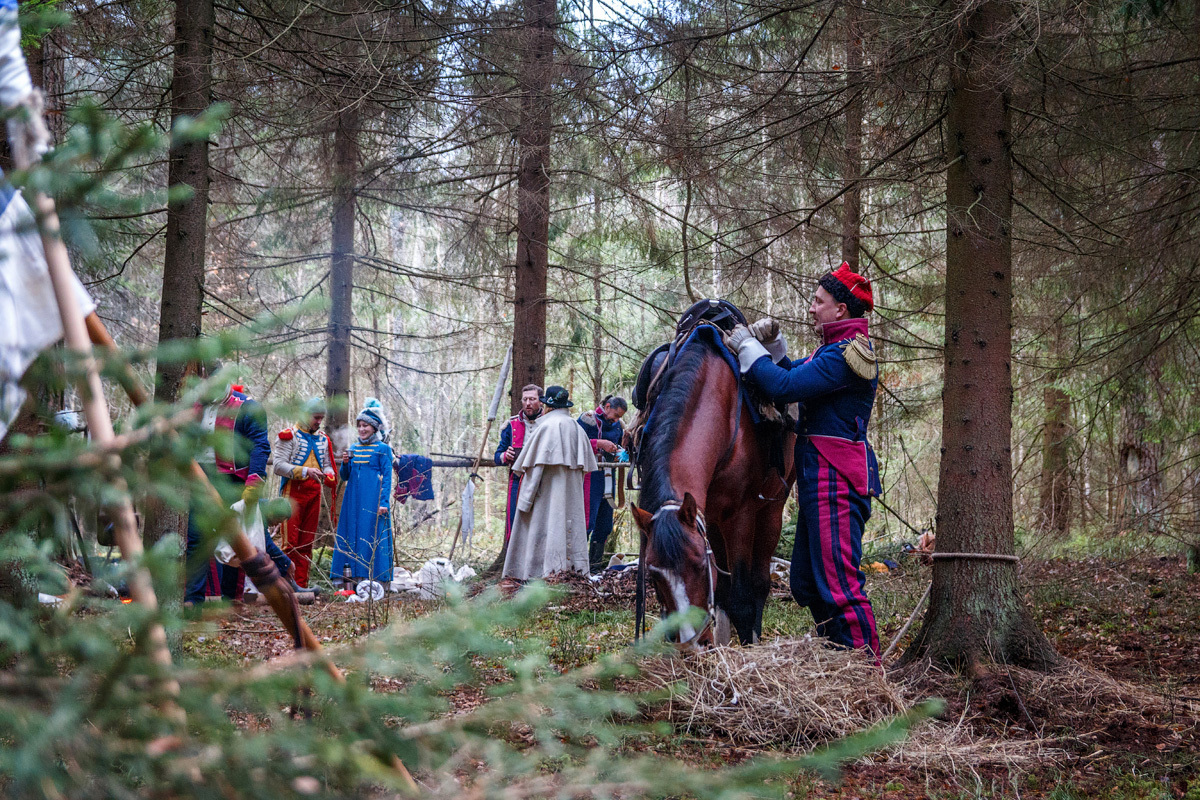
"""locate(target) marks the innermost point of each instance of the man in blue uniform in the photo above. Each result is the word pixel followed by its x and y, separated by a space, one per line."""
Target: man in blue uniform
pixel 512 439
pixel 604 430
pixel 837 472
pixel 237 473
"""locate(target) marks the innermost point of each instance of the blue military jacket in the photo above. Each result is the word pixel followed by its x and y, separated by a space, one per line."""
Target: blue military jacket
pixel 597 427
pixel 835 404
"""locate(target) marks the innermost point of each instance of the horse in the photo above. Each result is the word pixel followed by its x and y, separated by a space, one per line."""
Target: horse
pixel 710 509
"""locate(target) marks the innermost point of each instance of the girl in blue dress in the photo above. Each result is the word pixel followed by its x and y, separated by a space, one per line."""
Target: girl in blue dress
pixel 364 532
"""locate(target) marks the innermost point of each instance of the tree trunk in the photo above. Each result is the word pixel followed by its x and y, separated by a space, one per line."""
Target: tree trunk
pixel 976 612
pixel 533 200
pixel 852 168
pixel 1056 445
pixel 187 220
pixel 341 275
pixel 597 338
pixel 1056 465
pixel 46 62
pixel 1139 456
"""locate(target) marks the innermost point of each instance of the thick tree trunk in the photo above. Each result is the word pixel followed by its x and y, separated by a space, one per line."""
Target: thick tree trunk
pixel 852 168
pixel 187 220
pixel 976 612
pixel 341 274
pixel 533 200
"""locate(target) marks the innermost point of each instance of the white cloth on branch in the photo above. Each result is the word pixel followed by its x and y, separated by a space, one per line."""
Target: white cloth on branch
pixel 468 513
pixel 251 524
pixel 15 83
pixel 29 318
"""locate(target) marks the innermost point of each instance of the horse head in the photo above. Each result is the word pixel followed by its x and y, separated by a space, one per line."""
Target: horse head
pixel 678 562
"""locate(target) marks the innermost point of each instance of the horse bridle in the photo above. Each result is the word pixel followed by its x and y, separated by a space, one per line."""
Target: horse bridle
pixel 711 611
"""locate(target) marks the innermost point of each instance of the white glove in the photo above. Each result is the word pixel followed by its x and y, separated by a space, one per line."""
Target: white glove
pixel 735 338
pixel 766 330
pixel 748 349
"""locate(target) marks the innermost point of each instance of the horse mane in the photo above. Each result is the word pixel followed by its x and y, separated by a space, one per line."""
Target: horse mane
pixel 669 409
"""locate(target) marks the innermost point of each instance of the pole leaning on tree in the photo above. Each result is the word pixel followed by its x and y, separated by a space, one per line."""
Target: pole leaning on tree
pixel 493 410
pixel 95 410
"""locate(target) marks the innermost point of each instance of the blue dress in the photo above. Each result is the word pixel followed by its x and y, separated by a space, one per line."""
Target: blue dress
pixel 364 537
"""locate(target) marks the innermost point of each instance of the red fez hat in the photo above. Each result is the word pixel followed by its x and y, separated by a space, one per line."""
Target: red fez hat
pixel 850 288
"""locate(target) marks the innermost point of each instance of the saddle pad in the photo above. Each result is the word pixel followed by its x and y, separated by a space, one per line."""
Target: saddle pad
pixel 708 336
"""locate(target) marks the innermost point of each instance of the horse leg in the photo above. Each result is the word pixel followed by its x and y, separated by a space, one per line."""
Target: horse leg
pixel 741 602
pixel 722 632
pixel 769 525
pixel 742 606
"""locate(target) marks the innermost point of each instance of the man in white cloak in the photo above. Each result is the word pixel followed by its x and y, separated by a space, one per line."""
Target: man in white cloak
pixel 549 531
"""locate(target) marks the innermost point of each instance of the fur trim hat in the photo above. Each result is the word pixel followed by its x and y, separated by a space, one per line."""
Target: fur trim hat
pixel 850 288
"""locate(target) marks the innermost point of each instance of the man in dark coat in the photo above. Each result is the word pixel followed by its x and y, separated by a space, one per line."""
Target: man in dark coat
pixel 512 439
pixel 836 467
pixel 239 472
pixel 604 430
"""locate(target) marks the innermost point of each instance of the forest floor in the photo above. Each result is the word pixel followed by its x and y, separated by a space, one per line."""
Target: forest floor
pixel 1134 620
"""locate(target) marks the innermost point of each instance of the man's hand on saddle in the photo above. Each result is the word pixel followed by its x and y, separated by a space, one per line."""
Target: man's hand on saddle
pixel 748 349
pixel 767 331
pixel 607 446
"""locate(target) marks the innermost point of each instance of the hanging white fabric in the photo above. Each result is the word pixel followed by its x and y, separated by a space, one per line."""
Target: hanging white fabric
pixel 468 513
pixel 29 319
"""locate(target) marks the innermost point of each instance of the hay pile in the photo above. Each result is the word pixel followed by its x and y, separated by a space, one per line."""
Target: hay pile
pixel 798 694
pixel 787 692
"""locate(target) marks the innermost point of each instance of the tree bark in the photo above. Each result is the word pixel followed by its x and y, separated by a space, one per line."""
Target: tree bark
pixel 1056 465
pixel 976 612
pixel 187 220
pixel 533 200
pixel 1139 455
pixel 852 164
pixel 1056 443
pixel 46 62
pixel 341 274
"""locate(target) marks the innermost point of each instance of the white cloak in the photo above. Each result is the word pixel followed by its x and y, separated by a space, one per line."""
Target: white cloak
pixel 549 530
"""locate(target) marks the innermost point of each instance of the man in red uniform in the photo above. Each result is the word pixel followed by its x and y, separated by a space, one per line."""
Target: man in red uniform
pixel 512 439
pixel 304 460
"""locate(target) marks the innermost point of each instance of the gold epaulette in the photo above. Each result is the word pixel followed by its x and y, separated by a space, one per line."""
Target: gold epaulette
pixel 860 357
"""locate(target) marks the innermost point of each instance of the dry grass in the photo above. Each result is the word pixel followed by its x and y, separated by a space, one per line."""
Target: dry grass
pixel 789 692
pixel 797 694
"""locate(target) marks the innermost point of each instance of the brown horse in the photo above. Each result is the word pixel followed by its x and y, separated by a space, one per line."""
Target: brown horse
pixel 711 503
